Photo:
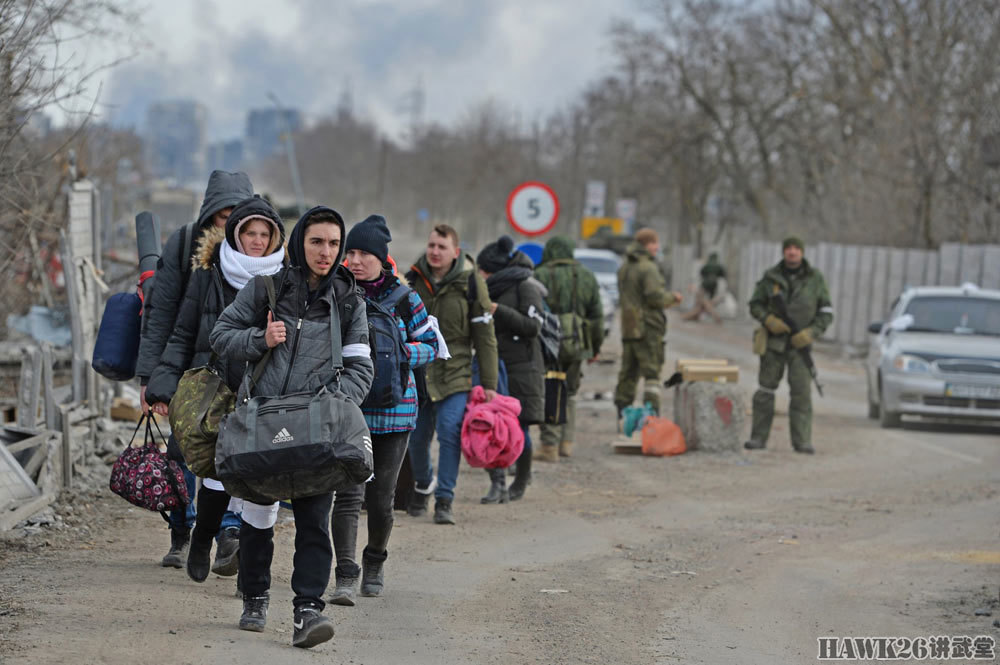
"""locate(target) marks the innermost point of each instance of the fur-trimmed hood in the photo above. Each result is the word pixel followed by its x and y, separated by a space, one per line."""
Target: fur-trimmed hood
pixel 206 253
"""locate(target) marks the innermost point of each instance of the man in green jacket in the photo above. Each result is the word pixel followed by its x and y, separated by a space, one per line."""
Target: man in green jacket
pixel 644 297
pixel 807 302
pixel 575 296
pixel 454 293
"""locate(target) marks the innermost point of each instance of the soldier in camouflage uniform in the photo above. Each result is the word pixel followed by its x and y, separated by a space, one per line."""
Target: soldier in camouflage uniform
pixel 644 296
pixel 808 306
pixel 572 290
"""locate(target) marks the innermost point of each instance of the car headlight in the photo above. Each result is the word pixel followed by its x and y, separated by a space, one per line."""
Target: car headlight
pixel 907 363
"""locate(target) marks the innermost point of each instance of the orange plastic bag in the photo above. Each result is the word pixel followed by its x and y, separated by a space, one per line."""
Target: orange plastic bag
pixel 662 437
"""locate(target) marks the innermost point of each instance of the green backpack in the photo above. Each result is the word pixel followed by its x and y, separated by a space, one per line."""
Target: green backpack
pixel 575 344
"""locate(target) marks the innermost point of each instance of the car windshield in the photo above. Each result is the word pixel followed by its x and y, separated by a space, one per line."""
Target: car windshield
pixel 598 263
pixel 955 314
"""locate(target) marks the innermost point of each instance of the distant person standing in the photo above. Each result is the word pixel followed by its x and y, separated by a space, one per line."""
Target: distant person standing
pixel 711 273
pixel 575 297
pixel 644 297
pixel 807 302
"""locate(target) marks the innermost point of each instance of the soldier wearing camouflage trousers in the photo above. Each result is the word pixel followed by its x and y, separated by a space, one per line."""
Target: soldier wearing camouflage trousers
pixel 808 307
pixel 644 297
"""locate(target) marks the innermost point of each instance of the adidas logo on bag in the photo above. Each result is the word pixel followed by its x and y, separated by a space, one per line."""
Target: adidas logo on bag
pixel 282 437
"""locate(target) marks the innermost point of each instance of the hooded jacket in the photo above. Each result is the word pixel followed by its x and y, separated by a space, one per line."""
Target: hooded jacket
pixel 465 325
pixel 207 294
pixel 224 190
pixel 303 363
pixel 644 296
pixel 807 301
pixel 517 322
pixel 561 274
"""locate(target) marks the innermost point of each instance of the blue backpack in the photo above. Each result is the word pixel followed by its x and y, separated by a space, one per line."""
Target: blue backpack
pixel 392 367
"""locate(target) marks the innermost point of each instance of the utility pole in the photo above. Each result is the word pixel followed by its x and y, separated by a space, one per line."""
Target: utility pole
pixel 293 166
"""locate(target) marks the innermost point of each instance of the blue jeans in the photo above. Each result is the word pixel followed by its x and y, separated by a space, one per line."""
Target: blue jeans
pixel 184 517
pixel 445 417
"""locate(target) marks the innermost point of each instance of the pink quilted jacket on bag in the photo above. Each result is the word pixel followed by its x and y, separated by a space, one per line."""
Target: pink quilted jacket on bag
pixel 491 434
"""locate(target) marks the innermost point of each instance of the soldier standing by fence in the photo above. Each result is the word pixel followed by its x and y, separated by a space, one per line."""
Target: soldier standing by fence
pixel 793 304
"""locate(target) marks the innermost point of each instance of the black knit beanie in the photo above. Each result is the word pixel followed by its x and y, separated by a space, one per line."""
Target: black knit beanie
pixel 496 255
pixel 372 236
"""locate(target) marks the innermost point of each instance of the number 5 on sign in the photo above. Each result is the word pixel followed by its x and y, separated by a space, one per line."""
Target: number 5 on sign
pixel 532 208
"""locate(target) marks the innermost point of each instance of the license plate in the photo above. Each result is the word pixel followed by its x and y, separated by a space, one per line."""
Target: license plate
pixel 975 392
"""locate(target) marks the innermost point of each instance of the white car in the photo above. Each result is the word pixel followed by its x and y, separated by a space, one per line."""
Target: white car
pixel 604 264
pixel 938 355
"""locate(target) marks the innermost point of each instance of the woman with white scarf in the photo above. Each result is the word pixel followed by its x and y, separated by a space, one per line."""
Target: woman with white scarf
pixel 225 260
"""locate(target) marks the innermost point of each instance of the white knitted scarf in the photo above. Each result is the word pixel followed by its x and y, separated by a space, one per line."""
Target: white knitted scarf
pixel 238 269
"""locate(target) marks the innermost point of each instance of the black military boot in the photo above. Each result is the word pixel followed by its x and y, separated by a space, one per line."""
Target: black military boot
pixel 199 555
pixel 754 445
pixel 805 448
pixel 177 556
pixel 227 554
pixel 442 512
pixel 523 477
pixel 498 487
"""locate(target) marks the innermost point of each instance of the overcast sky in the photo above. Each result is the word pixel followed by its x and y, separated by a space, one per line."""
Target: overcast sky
pixel 533 55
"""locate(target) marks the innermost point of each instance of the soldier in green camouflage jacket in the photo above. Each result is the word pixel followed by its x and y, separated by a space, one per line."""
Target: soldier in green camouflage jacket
pixel 808 306
pixel 572 289
pixel 644 297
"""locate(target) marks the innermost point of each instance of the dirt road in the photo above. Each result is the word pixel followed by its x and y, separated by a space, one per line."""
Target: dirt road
pixel 741 558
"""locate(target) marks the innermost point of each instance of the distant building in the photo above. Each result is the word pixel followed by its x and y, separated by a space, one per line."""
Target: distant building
pixel 266 131
pixel 226 155
pixel 175 141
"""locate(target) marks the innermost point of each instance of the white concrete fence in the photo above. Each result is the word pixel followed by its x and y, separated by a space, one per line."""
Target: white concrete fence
pixel 864 280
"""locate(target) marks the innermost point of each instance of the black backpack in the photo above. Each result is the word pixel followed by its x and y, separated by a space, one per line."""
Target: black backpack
pixel 392 366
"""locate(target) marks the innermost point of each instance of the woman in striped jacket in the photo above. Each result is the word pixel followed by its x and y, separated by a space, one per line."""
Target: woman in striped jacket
pixel 367 252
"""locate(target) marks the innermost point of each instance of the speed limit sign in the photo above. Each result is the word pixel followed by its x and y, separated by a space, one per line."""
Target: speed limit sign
pixel 532 208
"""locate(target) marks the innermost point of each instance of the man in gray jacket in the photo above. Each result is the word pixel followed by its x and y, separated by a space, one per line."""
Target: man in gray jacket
pixel 223 192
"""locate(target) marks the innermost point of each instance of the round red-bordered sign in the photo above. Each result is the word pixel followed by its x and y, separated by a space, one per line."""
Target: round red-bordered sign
pixel 532 208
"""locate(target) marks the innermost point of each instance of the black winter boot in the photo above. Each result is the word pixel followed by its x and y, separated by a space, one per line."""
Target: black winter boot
pixel 372 581
pixel 498 487
pixel 227 553
pixel 254 613
pixel 523 477
pixel 211 505
pixel 418 501
pixel 179 539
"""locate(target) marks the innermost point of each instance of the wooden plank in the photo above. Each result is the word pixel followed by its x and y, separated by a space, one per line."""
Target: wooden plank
pixel 721 373
pixel 683 362
pixel 24 444
pixel 35 461
pixel 48 391
pixel 627 447
pixel 29 387
pixel 67 449
pixel 14 482
pixel 25 510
